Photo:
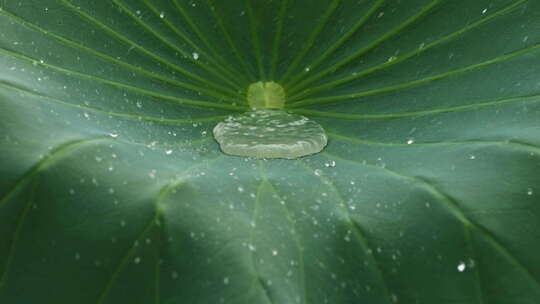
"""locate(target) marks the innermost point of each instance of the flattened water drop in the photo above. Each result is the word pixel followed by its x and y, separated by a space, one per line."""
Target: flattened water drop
pixel 270 134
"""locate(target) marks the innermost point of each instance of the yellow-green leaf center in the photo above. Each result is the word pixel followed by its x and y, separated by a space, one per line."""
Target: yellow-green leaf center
pixel 266 95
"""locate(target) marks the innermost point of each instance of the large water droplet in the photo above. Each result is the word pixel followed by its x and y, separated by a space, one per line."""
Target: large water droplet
pixel 270 134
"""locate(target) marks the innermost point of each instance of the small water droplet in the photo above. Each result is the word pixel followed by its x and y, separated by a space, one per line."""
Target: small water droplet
pixel 317 172
pixel 168 152
pixel 410 142
pixel 226 280
pixel 195 55
pixel 113 134
pixel 162 15
pixel 137 260
pixel 274 252
pixel 330 164
pixel 240 189
pixel 461 266
pixel 174 275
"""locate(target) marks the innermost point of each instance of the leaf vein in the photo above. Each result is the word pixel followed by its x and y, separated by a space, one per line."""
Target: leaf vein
pixel 119 37
pixel 411 84
pixel 454 208
pixel 125 86
pixel 418 51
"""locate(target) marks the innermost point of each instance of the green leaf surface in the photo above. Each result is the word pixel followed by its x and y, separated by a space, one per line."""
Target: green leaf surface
pixel 112 189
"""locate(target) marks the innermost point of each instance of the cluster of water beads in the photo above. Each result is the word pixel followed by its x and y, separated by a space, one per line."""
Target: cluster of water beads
pixel 268 131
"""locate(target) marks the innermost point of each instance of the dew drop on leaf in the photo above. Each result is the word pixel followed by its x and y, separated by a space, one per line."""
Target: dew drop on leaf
pixel 461 267
pixel 330 164
pixel 270 134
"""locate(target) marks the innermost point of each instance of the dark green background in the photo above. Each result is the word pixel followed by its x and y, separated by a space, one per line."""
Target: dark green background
pixel 112 189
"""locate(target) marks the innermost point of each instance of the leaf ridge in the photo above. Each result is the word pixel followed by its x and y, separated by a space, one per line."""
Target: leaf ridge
pixel 510 143
pixel 357 230
pixel 123 115
pixel 453 207
pixel 13 246
pixel 416 52
pixel 174 47
pixel 219 61
pixel 309 42
pixel 127 257
pixel 414 83
pixel 355 28
pixel 277 38
pixel 478 285
pixel 295 237
pixel 229 40
pixel 127 65
pixel 125 86
pixel 257 278
pixel 469 107
pixel 52 157
pixel 421 13
pixel 255 40
pixel 144 50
